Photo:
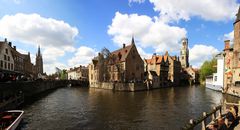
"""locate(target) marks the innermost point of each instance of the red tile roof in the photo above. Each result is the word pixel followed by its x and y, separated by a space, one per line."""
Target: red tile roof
pixel 158 59
pixel 121 54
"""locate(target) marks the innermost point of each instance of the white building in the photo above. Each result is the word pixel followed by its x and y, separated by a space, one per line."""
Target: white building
pixel 78 73
pixel 216 81
pixel 6 59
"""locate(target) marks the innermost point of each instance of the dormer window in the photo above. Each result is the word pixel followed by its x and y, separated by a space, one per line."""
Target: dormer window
pixel 119 56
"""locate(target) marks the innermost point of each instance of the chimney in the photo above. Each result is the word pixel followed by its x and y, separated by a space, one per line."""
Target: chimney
pixel 227 44
pixel 5 40
pixel 124 45
pixel 10 44
pixel 14 47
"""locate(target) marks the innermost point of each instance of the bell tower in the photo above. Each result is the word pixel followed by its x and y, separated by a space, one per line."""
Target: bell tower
pixel 184 53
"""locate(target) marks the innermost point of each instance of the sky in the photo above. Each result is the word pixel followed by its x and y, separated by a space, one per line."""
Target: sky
pixel 71 32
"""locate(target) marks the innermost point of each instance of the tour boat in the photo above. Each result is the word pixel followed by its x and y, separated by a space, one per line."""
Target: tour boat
pixel 10 119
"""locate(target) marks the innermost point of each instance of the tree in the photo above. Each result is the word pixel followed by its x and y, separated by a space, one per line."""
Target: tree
pixel 63 74
pixel 208 68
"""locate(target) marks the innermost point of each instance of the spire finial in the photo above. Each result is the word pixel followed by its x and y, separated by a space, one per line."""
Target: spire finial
pixel 133 42
pixel 39 52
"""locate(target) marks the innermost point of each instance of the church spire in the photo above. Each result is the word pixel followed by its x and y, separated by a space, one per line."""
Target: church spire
pixel 133 42
pixel 39 51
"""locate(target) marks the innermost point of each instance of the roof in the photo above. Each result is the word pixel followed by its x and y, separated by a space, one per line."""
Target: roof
pixel 157 58
pixel 77 69
pixel 1 45
pixel 238 16
pixel 121 54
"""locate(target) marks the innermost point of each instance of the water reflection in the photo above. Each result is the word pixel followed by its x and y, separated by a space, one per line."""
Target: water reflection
pixel 83 108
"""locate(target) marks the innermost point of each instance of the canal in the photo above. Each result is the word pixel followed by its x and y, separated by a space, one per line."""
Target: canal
pixel 86 108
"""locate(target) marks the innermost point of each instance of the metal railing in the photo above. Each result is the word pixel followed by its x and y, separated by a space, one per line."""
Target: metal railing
pixel 216 113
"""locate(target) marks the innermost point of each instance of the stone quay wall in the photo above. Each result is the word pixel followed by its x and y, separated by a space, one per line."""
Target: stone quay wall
pixel 131 87
pixel 31 88
pixel 234 90
pixel 13 94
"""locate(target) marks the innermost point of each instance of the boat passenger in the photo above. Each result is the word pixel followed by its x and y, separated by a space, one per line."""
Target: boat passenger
pixel 232 118
pixel 221 124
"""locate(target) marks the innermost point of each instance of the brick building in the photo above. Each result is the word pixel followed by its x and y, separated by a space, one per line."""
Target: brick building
pixel 175 69
pixel 232 57
pixel 123 65
pixel 14 61
pixel 159 65
pixel 78 73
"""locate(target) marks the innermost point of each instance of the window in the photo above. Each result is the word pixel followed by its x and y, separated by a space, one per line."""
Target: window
pixel 6 50
pixel 5 57
pixel 9 66
pixel 8 58
pixel 5 65
pixel 1 64
pixel 182 58
pixel 91 76
pixel 215 78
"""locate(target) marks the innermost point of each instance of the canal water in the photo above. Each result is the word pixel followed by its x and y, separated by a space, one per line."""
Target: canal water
pixel 87 109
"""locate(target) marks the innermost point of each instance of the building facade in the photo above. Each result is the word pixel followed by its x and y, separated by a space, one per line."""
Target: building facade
pixel 159 65
pixel 174 69
pixel 216 81
pixel 232 59
pixel 78 73
pixel 14 61
pixel 123 65
pixel 6 58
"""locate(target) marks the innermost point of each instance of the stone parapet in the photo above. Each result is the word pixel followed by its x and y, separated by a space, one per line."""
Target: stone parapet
pixel 131 87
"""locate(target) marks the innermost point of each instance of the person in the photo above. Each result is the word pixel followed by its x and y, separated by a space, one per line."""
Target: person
pixel 231 116
pixel 236 110
pixel 221 124
pixel 236 121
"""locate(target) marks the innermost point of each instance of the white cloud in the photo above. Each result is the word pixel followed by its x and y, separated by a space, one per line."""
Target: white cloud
pixel 213 10
pixel 83 56
pixel 34 29
pixel 148 32
pixel 137 1
pixel 22 51
pixel 143 54
pixel 50 67
pixel 200 53
pixel 55 37
pixel 229 36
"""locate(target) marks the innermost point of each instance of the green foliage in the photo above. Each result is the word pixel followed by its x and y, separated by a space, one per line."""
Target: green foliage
pixel 208 68
pixel 63 75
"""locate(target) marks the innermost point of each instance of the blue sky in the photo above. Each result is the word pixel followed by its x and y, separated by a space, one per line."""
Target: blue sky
pixel 71 32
